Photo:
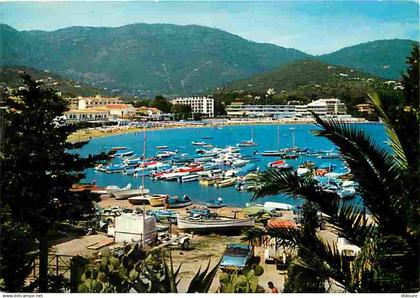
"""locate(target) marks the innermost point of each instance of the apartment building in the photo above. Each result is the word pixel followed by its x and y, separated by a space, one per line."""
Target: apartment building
pixel 92 102
pixel 323 107
pixel 199 104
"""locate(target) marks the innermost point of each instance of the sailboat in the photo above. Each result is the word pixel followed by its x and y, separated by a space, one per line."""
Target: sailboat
pixel 249 143
pixel 144 196
pixel 277 152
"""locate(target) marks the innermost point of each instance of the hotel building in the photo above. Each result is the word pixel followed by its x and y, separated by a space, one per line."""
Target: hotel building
pixel 92 102
pixel 199 104
pixel 323 107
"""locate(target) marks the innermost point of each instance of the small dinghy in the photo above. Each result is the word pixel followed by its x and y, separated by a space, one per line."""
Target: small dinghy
pixel 215 204
pixel 176 202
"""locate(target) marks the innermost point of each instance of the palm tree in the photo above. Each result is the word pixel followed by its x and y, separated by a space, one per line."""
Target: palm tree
pixel 388 260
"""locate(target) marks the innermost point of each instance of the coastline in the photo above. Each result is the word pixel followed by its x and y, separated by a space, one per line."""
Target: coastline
pixel 91 133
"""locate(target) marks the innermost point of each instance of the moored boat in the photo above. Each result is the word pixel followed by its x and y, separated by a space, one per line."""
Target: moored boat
pixel 124 194
pixel 205 224
pixel 225 182
pixel 176 202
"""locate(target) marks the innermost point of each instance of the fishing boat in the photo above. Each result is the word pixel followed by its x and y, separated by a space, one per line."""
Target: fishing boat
pixel 249 143
pixel 162 214
pixel 205 224
pixel 239 163
pixel 118 148
pixel 122 154
pixel 111 188
pixel 188 178
pixel 330 155
pixel 176 202
pixel 165 154
pixel 124 194
pixel 114 168
pixel 199 143
pixel 277 206
pixel 158 200
pixel 279 164
pixel 147 200
pixel 162 147
pixel 225 182
pixel 206 181
pixel 215 204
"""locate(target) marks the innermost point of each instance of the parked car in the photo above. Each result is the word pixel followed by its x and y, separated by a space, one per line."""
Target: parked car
pixel 236 256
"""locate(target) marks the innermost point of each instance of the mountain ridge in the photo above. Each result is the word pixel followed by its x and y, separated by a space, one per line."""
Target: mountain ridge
pixel 148 59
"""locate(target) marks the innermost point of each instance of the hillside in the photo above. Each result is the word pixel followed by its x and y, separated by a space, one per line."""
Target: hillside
pixel 384 58
pixel 143 59
pixel 298 74
pixel 10 77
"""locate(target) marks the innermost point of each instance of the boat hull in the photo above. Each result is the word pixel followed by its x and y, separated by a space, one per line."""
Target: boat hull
pixel 179 205
pixel 215 225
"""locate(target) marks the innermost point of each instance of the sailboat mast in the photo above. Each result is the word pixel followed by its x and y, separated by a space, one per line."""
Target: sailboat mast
pixel 144 161
pixel 278 135
pixel 252 133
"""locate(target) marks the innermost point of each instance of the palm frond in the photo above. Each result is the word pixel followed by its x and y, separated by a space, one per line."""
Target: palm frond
pixel 373 168
pixel 394 141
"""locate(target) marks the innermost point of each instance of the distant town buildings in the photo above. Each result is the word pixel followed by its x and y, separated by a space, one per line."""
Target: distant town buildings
pixel 323 107
pixel 199 104
pixel 91 102
pixel 98 109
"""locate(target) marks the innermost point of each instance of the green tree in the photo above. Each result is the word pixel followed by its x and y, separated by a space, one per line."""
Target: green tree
pixel 38 169
pixel 162 104
pixel 181 111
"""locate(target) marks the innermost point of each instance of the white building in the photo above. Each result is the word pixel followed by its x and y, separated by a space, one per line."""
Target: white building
pixel 323 107
pixel 91 114
pixel 199 104
pixel 121 110
pixel 92 101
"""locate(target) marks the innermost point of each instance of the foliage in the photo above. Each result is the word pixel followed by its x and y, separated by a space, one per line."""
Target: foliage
pixel 245 281
pixel 162 104
pixel 181 111
pixel 302 279
pixel 384 58
pixel 37 167
pixel 16 260
pixel 144 59
pixel 133 270
pixel 11 77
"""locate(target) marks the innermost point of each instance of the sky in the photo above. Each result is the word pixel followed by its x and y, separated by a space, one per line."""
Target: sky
pixel 315 27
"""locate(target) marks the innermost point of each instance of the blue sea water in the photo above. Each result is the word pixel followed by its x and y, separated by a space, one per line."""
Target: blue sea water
pixel 180 139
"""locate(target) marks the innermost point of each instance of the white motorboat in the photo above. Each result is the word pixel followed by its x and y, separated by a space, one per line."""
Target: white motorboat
pixel 111 188
pixel 124 194
pixel 188 178
pixel 214 224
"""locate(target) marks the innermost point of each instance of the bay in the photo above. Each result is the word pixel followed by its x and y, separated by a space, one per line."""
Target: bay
pixel 180 139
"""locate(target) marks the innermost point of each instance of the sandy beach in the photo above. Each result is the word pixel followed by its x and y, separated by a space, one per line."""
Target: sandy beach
pixel 90 133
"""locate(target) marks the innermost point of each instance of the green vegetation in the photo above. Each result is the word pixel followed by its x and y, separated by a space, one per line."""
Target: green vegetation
pixel 384 58
pixel 11 77
pixel 37 174
pixel 242 282
pixel 144 59
pixel 135 271
pixel 388 260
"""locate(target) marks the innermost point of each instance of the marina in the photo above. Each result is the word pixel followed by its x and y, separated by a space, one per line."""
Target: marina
pixel 223 171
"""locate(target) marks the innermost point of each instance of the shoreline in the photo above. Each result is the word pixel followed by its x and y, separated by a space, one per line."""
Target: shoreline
pixel 93 133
